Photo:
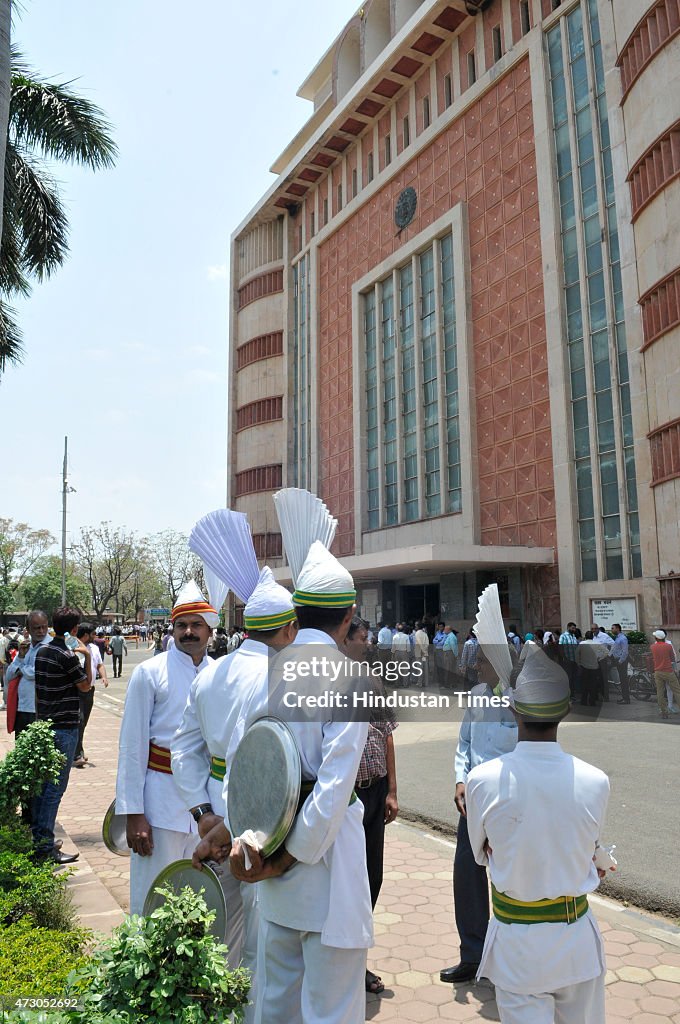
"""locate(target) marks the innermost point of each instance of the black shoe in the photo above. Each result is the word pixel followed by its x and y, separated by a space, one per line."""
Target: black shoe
pixel 63 858
pixel 622 701
pixel 461 972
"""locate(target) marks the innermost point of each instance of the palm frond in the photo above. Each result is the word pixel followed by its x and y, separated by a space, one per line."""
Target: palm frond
pixel 39 214
pixel 11 347
pixel 60 124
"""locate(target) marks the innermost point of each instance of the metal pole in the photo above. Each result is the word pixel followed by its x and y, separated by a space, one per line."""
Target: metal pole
pixel 64 492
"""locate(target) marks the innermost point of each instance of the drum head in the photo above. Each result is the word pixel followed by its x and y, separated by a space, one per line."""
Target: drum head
pixel 182 873
pixel 114 832
pixel 264 784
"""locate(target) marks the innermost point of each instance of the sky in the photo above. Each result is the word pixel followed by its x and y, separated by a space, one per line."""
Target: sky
pixel 127 344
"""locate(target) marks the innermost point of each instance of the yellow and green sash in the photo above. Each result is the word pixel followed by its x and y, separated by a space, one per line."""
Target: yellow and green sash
pixel 563 910
pixel 218 768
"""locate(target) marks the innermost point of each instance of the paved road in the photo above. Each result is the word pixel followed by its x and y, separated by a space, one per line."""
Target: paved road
pixel 639 752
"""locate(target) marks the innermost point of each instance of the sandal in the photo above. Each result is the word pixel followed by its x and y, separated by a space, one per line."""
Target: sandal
pixel 374 984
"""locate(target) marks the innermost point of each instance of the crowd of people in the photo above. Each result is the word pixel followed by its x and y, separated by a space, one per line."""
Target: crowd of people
pixel 591 660
pixel 301 919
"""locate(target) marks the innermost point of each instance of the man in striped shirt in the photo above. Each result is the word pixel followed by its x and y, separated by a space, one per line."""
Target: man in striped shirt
pixel 568 645
pixel 59 681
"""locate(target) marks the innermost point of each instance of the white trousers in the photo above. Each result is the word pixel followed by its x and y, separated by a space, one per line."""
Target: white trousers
pixel 167 847
pixel 301 981
pixel 575 1004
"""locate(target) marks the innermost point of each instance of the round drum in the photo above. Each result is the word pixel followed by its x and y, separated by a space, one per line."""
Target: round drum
pixel 182 873
pixel 114 832
pixel 264 784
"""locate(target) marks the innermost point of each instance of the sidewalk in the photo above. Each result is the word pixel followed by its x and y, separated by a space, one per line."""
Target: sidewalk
pixel 415 929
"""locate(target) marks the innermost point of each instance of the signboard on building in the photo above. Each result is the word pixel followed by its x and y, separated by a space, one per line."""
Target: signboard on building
pixel 606 611
pixel 158 613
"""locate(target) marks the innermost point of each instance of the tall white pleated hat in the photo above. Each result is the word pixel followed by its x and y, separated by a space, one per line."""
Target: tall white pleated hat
pixel 223 541
pixel 307 530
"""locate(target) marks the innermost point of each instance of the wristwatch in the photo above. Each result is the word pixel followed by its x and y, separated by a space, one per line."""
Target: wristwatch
pixel 198 812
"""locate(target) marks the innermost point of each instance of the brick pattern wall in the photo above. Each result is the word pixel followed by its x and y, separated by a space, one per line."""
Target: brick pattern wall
pixel 655 169
pixel 265 284
pixel 262 347
pixel 661 308
pixel 264 410
pixel 268 545
pixel 261 478
pixel 466 163
pixel 665 448
pixel 659 25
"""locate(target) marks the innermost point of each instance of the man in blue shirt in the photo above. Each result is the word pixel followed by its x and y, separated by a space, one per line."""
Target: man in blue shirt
pixel 485 733
pixel 24 668
pixel 619 652
pixel 437 645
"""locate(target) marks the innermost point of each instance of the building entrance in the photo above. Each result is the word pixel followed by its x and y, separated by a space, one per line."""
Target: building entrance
pixel 416 602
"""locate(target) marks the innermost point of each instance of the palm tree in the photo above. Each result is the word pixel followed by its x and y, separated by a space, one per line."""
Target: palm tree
pixel 47 121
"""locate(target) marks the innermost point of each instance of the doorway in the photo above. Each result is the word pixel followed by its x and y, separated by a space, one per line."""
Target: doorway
pixel 421 601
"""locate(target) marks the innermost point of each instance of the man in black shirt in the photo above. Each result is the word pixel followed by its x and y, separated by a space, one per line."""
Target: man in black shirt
pixel 59 681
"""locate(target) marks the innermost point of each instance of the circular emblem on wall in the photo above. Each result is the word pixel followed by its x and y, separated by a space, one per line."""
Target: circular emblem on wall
pixel 405 208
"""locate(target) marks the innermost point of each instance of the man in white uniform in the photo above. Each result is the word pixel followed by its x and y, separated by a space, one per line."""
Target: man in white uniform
pixel 535 817
pixel 159 827
pixel 314 899
pixel 199 748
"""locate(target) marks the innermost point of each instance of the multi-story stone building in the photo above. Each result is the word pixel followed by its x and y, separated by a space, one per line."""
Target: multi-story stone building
pixel 456 313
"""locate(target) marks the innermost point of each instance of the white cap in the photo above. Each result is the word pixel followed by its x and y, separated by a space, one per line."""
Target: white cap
pixel 660 634
pixel 541 693
pixel 270 605
pixel 323 581
pixel 190 601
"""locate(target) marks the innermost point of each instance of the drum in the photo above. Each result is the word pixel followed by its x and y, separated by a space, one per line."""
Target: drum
pixel 182 873
pixel 114 832
pixel 264 784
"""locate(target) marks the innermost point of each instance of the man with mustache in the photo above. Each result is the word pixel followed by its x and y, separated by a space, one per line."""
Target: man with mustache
pixel 160 829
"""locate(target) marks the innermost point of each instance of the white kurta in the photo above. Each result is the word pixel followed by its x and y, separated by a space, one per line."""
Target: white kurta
pixel 327 891
pixel 543 812
pixel 215 702
pixel 156 696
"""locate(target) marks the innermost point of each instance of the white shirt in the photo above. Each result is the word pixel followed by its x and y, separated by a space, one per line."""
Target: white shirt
pixel 385 637
pixel 422 643
pixel 604 638
pixel 215 702
pixel 401 643
pixel 95 662
pixel 26 666
pixel 327 891
pixel 156 696
pixel 543 812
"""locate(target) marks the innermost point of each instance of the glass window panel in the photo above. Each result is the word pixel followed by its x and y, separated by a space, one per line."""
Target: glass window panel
pixel 578 383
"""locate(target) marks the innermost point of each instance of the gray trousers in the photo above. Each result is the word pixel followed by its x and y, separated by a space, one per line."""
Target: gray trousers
pixel 470 898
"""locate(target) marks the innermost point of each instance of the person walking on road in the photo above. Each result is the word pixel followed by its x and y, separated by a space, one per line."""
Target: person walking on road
pixel 23 670
pixel 485 733
pixel 117 646
pixel 543 949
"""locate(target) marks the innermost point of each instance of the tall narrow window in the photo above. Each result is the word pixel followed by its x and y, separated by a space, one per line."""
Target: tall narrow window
pixel 369 163
pixel 524 21
pixel 325 212
pixel 388 150
pixel 448 91
pixel 426 112
pixel 406 133
pixel 312 225
pixel 355 187
pixel 471 68
pixel 301 373
pixel 497 43
pixel 339 194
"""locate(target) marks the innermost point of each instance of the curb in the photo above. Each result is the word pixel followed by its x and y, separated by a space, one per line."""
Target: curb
pixel 95 907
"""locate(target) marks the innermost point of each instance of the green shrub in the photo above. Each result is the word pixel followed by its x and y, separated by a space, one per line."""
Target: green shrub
pixel 37 961
pixel 636 636
pixel 165 969
pixel 30 889
pixel 24 771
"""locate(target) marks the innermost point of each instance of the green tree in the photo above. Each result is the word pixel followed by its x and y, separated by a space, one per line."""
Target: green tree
pixel 107 558
pixel 21 548
pixel 48 121
pixel 42 589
